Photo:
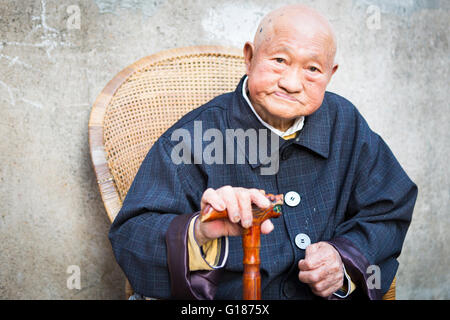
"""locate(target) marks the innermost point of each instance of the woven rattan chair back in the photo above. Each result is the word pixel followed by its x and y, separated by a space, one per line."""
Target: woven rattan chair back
pixel 144 100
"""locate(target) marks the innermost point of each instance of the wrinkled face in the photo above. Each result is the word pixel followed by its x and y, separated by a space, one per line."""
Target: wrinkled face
pixel 288 72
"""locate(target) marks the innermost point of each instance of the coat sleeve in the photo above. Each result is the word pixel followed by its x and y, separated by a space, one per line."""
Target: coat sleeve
pixel 161 200
pixel 378 215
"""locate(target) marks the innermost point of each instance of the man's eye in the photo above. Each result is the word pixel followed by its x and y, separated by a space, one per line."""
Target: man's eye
pixel 279 60
pixel 313 69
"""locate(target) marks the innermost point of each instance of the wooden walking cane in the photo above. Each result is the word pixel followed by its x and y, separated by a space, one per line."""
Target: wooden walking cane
pixel 251 242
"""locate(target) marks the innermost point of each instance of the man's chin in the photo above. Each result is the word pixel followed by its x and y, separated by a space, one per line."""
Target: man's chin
pixel 285 117
pixel 288 113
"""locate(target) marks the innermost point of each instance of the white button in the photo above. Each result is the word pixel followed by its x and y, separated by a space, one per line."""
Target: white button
pixel 302 240
pixel 292 199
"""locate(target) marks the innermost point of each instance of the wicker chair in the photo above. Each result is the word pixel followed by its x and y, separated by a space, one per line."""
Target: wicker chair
pixel 143 101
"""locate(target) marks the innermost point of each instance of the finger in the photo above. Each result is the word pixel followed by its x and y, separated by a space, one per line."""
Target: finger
pixel 306 265
pixel 228 196
pixel 211 197
pixel 267 227
pixel 322 279
pixel 313 276
pixel 325 288
pixel 259 198
pixel 319 288
pixel 316 256
pixel 244 200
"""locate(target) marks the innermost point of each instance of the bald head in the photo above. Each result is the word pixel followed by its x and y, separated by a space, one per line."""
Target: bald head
pixel 301 18
pixel 289 64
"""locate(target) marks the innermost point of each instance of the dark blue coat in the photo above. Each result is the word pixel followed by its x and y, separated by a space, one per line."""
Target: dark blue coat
pixel 354 194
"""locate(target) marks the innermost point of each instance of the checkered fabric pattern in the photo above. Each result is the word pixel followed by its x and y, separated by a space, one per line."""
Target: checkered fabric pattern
pixel 350 184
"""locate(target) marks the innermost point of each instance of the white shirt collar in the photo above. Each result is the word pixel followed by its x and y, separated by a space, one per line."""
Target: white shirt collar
pixel 297 126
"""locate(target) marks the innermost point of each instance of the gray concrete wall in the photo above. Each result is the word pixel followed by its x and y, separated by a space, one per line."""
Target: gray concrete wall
pixel 394 66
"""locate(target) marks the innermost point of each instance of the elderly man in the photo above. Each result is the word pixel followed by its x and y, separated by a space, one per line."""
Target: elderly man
pixel 348 201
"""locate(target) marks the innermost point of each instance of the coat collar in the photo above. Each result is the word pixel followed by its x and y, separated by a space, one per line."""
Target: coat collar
pixel 314 136
pixel 316 133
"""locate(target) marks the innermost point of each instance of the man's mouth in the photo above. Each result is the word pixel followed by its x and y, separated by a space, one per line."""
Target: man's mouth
pixel 285 96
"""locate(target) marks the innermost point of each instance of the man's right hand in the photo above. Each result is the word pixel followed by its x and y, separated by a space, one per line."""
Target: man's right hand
pixel 238 203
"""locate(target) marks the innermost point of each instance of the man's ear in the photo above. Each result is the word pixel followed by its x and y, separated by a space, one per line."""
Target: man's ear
pixel 333 71
pixel 249 50
pixel 335 67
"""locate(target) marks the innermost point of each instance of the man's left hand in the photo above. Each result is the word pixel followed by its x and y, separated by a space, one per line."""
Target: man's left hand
pixel 322 269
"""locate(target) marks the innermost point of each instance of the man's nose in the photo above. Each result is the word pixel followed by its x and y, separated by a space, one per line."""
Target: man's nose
pixel 291 81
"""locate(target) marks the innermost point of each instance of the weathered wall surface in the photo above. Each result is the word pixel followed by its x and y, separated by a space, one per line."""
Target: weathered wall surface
pixel 394 66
